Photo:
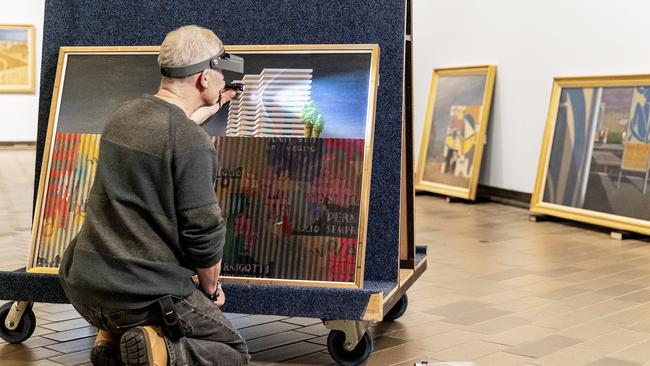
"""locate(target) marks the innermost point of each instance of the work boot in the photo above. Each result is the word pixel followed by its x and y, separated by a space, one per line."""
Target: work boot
pixel 104 352
pixel 142 346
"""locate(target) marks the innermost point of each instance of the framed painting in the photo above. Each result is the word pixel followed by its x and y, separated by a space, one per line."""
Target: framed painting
pixel 294 152
pixel 454 130
pixel 595 160
pixel 17 58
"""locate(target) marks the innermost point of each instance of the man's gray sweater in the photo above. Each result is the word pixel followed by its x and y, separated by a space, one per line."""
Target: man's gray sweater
pixel 152 216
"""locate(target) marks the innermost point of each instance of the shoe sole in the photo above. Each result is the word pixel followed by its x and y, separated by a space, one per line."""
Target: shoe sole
pixel 103 356
pixel 133 348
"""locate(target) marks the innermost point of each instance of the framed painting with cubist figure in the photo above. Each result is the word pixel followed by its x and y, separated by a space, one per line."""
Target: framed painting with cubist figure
pixel 294 151
pixel 594 165
pixel 454 131
pixel 17 58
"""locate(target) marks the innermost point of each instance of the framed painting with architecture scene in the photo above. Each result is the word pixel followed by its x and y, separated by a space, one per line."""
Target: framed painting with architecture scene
pixel 294 153
pixel 454 130
pixel 595 160
pixel 17 58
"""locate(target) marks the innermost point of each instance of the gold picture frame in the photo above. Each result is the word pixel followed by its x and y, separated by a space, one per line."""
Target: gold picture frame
pixel 89 147
pixel 607 182
pixel 451 151
pixel 17 58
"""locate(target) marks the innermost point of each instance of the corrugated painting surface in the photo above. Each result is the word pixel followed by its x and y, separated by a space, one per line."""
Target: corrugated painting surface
pixel 72 172
pixel 291 206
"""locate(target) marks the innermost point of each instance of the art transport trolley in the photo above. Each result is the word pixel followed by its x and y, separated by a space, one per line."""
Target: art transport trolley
pixel 348 318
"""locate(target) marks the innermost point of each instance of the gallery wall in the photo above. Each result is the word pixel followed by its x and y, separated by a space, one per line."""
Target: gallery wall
pixel 530 42
pixel 19 111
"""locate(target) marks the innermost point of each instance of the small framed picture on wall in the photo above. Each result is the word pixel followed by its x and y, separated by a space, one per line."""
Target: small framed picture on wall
pixel 17 58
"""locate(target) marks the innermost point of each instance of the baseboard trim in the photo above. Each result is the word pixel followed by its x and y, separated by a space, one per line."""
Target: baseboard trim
pixel 505 196
pixel 17 143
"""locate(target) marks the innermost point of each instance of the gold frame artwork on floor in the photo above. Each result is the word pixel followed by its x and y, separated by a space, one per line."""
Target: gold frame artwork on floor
pixel 455 126
pixel 325 175
pixel 594 165
pixel 18 58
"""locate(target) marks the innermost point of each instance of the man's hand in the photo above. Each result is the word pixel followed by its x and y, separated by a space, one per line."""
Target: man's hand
pixel 227 95
pixel 222 298
pixel 202 114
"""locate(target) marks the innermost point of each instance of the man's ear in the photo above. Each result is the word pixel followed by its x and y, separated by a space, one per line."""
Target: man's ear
pixel 203 79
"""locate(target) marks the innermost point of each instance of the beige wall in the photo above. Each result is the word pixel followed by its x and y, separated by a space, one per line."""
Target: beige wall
pixel 530 42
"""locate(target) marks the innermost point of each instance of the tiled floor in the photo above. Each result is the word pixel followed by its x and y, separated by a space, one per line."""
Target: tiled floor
pixel 500 291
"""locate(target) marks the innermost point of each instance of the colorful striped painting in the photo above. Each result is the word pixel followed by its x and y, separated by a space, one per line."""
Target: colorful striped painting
pixel 291 206
pixel 70 178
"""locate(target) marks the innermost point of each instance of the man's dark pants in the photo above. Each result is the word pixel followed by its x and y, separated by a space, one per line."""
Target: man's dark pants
pixel 210 338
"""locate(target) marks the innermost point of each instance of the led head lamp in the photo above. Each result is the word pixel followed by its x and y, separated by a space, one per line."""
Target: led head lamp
pixel 224 61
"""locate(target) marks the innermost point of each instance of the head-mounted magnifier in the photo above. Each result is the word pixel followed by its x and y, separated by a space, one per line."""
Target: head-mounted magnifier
pixel 224 61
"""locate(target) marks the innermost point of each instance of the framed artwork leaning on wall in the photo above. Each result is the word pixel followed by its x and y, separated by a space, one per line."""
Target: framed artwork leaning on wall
pixel 594 165
pixel 455 126
pixel 17 58
pixel 294 153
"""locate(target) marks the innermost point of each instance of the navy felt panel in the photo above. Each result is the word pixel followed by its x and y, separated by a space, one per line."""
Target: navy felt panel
pixel 32 287
pixel 311 302
pixel 145 22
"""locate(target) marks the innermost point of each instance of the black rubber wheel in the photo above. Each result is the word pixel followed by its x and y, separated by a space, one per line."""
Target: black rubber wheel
pixel 398 309
pixel 358 356
pixel 25 328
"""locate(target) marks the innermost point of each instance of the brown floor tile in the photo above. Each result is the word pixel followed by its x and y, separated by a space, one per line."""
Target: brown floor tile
pixel 73 346
pixel 566 320
pixel 572 356
pixel 637 353
pixel 264 330
pixel 562 293
pixel 72 334
pixel 397 355
pixel 316 329
pixel 502 359
pixel 618 340
pixel 468 351
pixel 276 340
pixel 477 316
pixel 384 342
pixel 422 331
pixel 608 361
pixel 74 358
pixel 303 321
pixel 249 321
pixel 621 289
pixel 642 326
pixel 445 340
pixel 543 346
pixel 26 355
pixel 67 325
pixel 641 296
pixel 499 325
pixel 519 335
pixel 588 330
pixel 287 352
pixel 457 308
pixel 319 358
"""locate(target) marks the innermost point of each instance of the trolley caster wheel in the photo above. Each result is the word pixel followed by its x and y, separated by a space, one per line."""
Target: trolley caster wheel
pixel 358 356
pixel 25 328
pixel 397 310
